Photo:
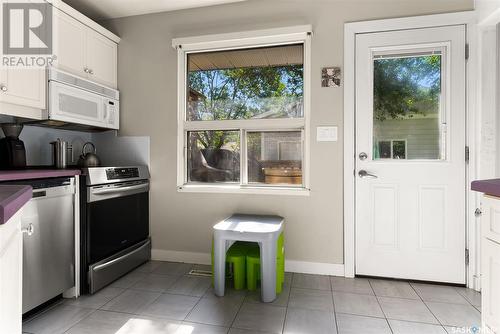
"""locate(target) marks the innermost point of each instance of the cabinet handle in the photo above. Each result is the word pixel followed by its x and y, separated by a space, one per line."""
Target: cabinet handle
pixel 3 88
pixel 29 230
pixel 86 70
pixel 91 71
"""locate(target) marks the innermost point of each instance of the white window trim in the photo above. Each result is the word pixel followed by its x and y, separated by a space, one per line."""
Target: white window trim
pixel 258 38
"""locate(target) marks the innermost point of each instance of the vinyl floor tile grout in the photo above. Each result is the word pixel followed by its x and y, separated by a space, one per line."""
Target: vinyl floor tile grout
pixel 305 284
pixel 379 305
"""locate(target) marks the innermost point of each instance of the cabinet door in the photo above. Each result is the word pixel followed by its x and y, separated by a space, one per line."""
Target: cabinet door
pixel 25 87
pixel 11 277
pixel 69 44
pixel 490 287
pixel 101 58
pixel 491 218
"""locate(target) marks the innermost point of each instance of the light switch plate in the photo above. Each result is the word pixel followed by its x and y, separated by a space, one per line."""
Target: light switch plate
pixel 326 133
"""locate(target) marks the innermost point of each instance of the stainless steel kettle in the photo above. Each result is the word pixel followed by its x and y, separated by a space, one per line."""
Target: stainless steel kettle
pixel 89 159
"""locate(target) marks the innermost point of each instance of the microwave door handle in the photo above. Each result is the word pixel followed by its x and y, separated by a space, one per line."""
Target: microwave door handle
pixel 120 189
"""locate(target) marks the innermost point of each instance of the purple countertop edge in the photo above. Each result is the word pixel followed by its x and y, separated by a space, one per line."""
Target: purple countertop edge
pixel 12 198
pixel 488 187
pixel 29 174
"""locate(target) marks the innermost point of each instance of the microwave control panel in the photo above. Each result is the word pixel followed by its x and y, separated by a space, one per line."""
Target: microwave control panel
pixel 111 107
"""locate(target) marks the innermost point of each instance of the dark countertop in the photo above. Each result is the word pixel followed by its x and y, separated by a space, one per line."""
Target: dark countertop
pixel 12 198
pixel 36 173
pixel 489 187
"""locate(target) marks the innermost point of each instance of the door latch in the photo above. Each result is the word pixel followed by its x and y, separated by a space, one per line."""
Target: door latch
pixel 478 212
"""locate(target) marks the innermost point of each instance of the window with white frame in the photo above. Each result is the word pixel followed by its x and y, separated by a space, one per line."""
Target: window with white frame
pixel 243 111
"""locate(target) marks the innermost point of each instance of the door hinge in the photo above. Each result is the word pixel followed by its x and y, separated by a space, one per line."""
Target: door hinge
pixel 466 257
pixel 466 51
pixel 467 154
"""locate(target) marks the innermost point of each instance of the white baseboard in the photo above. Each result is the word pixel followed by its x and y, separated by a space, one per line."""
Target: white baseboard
pixel 290 265
pixel 317 268
pixel 176 256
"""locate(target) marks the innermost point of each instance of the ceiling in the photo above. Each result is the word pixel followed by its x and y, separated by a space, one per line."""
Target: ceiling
pixel 108 9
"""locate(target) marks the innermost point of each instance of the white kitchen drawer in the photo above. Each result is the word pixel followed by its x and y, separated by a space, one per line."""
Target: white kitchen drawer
pixel 491 218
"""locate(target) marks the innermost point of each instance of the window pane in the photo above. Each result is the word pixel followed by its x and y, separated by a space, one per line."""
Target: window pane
pixel 252 83
pixel 384 148
pixel 406 107
pixel 214 156
pixel 399 149
pixel 275 157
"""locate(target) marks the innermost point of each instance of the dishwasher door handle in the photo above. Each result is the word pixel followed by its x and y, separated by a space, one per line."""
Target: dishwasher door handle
pixel 29 230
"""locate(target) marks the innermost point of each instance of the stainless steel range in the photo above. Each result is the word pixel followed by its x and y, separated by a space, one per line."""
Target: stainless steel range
pixel 114 224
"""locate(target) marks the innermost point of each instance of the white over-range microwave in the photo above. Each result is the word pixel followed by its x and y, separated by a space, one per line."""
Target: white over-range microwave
pixel 74 102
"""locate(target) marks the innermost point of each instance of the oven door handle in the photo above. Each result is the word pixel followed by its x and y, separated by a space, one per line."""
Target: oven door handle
pixel 98 194
pixel 144 186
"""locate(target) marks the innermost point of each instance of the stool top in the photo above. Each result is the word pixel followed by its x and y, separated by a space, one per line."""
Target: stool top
pixel 251 223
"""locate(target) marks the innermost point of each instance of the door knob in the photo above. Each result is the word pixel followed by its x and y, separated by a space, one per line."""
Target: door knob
pixel 91 71
pixel 364 174
pixel 29 230
pixel 86 70
pixel 3 88
pixel 363 156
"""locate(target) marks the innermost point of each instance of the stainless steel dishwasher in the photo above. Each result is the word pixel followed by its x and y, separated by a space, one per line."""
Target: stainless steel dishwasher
pixel 48 254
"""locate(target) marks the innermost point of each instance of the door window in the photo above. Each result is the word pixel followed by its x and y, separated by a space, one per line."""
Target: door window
pixel 407 106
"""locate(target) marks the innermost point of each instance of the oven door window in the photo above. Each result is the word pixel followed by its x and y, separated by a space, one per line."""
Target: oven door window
pixel 115 224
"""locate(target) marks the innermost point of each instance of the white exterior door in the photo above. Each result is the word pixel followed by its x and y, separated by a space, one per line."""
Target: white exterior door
pixel 410 154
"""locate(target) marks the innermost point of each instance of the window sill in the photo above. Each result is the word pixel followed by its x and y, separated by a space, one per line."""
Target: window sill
pixel 236 189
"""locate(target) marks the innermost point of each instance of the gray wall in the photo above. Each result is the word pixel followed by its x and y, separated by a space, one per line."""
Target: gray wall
pixel 37 143
pixel 148 84
pixel 113 150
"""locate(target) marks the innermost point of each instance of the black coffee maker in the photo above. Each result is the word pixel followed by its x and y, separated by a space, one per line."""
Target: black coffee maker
pixel 12 151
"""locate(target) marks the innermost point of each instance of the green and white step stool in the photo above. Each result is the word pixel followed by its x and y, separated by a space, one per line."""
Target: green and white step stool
pixel 264 230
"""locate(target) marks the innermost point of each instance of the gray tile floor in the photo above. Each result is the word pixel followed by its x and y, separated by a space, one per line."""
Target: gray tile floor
pixel 159 297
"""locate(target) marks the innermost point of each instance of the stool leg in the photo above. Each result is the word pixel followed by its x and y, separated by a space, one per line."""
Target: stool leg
pixel 239 274
pixel 268 270
pixel 219 265
pixel 251 276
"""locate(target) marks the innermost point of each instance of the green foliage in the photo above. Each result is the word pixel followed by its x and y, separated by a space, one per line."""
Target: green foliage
pixel 216 139
pixel 243 93
pixel 406 86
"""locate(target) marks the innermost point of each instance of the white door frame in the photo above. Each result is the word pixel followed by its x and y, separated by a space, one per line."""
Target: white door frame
pixel 472 128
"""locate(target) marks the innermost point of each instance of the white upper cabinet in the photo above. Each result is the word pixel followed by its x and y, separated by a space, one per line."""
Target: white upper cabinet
pixel 101 59
pixel 83 51
pixel 80 46
pixel 69 43
pixel 24 87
